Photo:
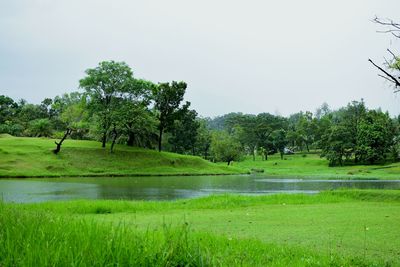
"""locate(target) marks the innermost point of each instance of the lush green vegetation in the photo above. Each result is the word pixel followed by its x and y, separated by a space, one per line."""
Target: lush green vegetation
pixel 32 157
pixel 117 108
pixel 29 157
pixel 311 165
pixel 338 228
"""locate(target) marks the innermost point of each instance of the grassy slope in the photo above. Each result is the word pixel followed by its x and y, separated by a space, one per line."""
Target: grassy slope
pixel 33 157
pixel 308 230
pixel 312 166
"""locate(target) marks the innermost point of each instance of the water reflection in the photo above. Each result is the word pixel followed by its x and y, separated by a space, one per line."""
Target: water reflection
pixel 169 188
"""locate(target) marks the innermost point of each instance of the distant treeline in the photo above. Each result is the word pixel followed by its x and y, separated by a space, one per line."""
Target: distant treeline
pixel 114 107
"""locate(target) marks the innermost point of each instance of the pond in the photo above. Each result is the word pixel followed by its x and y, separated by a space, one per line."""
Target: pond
pixel 169 187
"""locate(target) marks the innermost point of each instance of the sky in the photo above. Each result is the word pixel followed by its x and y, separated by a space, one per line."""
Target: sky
pixel 236 56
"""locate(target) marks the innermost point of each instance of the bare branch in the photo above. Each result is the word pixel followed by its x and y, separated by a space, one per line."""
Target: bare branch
pixel 394 56
pixel 395 81
pixel 386 78
pixel 387 22
pixel 395 35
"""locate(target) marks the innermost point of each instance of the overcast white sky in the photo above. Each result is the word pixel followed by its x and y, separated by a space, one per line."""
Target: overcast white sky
pixel 249 56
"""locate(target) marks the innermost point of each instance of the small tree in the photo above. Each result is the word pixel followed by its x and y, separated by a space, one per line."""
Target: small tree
pixel 225 147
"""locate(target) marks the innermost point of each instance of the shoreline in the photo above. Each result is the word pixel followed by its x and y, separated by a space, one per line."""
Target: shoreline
pixel 117 175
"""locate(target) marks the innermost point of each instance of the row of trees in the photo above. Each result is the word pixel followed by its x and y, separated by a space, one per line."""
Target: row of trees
pixel 115 107
pixel 352 134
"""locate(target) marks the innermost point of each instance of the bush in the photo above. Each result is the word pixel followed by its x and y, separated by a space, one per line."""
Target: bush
pixel 40 128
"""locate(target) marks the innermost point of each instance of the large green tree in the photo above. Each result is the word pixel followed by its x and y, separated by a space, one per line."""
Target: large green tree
pixel 337 145
pixel 167 99
pixel 184 133
pixel 375 136
pixel 105 85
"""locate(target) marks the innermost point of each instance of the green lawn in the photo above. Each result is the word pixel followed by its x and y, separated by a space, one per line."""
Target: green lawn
pixel 337 228
pixel 33 157
pixel 311 165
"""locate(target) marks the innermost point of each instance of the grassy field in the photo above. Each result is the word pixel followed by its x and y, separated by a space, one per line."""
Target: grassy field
pixel 311 165
pixel 336 228
pixel 33 157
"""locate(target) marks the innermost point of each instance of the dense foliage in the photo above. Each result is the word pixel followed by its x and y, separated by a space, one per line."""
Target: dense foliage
pixel 115 107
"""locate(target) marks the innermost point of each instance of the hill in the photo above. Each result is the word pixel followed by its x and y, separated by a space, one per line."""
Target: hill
pixel 33 157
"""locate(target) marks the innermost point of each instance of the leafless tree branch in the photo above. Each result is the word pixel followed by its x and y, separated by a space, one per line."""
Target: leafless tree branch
pixel 394 56
pixel 387 22
pixel 386 78
pixel 393 79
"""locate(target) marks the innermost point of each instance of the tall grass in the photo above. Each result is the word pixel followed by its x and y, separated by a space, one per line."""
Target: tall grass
pixel 221 202
pixel 34 238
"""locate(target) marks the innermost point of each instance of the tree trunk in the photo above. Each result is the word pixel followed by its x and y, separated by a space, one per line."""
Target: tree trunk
pixel 281 155
pixel 254 155
pixel 131 139
pixel 104 139
pixel 58 148
pixel 229 162
pixel 114 139
pixel 160 139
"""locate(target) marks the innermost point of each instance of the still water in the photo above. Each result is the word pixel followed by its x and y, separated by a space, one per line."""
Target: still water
pixel 168 188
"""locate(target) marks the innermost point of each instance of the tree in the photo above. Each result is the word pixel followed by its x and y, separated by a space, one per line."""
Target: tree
pixel 167 98
pixel 138 124
pixel 40 128
pixel 306 129
pixel 391 68
pixel 350 117
pixel 247 135
pixel 266 125
pixel 184 131
pixel 59 144
pixel 8 109
pixel 225 147
pixel 375 136
pixel 322 111
pixel 280 141
pixel 203 141
pixel 105 86
pixel 337 145
pixel 75 118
